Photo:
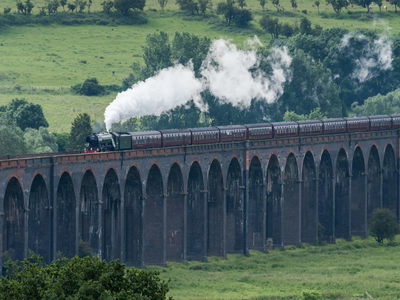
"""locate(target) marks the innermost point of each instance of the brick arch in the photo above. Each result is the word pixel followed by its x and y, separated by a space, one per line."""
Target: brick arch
pixel 175 213
pixel 133 216
pixel 325 199
pixel 66 217
pixel 234 208
pixel 14 219
pixel 373 180
pixel 358 196
pixel 39 218
pixel 89 226
pixel 309 224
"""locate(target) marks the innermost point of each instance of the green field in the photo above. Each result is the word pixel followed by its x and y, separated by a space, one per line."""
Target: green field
pixel 345 270
pixel 40 62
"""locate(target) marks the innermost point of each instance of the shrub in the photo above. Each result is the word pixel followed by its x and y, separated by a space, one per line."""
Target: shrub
pixel 7 10
pixel 91 87
pixel 79 278
pixel 383 225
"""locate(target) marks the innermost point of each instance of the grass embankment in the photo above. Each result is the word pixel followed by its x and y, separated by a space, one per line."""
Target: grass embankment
pixel 41 62
pixel 345 270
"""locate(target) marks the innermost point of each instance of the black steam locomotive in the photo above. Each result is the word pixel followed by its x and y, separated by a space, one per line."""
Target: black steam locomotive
pixel 119 141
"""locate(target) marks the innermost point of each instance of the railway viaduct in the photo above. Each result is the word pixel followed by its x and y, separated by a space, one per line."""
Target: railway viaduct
pixel 155 205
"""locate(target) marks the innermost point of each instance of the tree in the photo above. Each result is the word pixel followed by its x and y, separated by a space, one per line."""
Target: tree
pixel 227 9
pixel 383 225
pixel 52 6
pixel 91 87
pixel 81 128
pixel 262 3
pixel 315 114
pixel 204 5
pixel 241 3
pixel 123 6
pixel 71 7
pixel 156 53
pixel 90 2
pixel 305 26
pixel 396 3
pixel 28 7
pixel 107 6
pixel 242 17
pixel 63 3
pixel 81 4
pixel 26 114
pixel 190 6
pixel 188 47
pixel 338 5
pixel 277 4
pixel 364 3
pixel 40 141
pixel 294 4
pixel 379 3
pixel 79 278
pixel 270 25
pixel 317 4
pixel 162 4
pixel 379 105
pixel 11 138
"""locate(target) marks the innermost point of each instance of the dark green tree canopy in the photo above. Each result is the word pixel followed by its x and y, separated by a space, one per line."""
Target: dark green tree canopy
pixel 26 114
pixel 383 225
pixel 81 128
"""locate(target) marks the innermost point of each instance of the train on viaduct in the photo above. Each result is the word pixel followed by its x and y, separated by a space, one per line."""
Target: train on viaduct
pixel 187 202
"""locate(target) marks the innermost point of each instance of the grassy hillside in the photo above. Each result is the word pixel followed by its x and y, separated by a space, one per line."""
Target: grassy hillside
pixel 346 270
pixel 41 62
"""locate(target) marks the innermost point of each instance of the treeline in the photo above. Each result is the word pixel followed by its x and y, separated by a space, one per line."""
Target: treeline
pixel 78 278
pixel 324 79
pixel 23 130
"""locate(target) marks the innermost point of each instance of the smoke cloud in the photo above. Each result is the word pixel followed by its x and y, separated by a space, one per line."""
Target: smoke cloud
pixel 230 74
pixel 376 55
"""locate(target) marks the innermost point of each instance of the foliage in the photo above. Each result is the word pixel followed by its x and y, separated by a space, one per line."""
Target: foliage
pixel 123 6
pixel 162 4
pixel 315 114
pixel 79 278
pixel 396 3
pixel 52 6
pixel 383 225
pixel 240 16
pixel 270 25
pixel 40 141
pixel 379 105
pixel 107 5
pixel 80 129
pixel 338 5
pixel 305 26
pixel 84 249
pixel 204 5
pixel 156 53
pixel 25 114
pixel 62 141
pixel 190 6
pixel 262 3
pixel 364 3
pixel 312 83
pixel 11 138
pixel 188 47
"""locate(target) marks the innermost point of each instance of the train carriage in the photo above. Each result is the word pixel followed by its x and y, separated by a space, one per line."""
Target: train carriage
pixel 232 133
pixel 176 137
pixel 395 121
pixel 205 135
pixel 357 124
pixel 310 127
pixel 336 125
pixel 146 139
pixel 259 131
pixel 380 122
pixel 285 129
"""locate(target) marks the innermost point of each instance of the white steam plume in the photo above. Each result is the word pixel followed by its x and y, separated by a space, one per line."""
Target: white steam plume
pixel 376 57
pixel 228 73
pixel 170 87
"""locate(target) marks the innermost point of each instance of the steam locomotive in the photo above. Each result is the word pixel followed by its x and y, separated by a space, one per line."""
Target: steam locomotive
pixel 119 141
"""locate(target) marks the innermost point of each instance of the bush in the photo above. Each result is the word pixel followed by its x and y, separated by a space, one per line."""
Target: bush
pixel 383 225
pixel 79 278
